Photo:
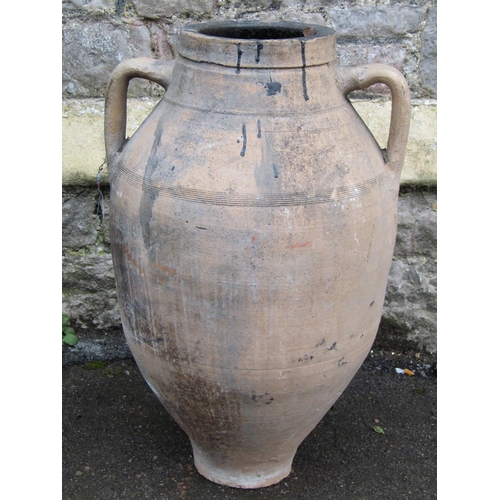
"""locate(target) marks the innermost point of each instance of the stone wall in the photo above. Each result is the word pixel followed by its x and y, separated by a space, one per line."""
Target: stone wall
pixel 98 34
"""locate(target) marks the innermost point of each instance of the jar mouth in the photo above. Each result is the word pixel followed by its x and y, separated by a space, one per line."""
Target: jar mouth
pixel 253 44
pixel 257 32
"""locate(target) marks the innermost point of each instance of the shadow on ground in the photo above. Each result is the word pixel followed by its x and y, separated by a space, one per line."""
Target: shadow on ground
pixel 119 442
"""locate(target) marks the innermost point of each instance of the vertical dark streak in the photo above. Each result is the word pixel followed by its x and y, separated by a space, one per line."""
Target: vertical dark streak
pixel 259 135
pixel 304 83
pixel 240 53
pixel 275 170
pixel 244 133
pixel 149 197
pixel 259 48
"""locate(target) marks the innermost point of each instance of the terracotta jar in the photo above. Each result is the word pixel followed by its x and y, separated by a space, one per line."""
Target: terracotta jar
pixel 253 221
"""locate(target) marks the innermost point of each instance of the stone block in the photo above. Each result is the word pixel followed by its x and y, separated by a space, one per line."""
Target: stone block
pixel 88 283
pixel 420 165
pixel 401 52
pixel 243 6
pixel 158 9
pixel 349 4
pixel 91 6
pixel 80 226
pixel 354 53
pixel 292 3
pixel 90 52
pixel 428 66
pixel 160 43
pixel 417 226
pixel 305 17
pixel 410 308
pixel 377 21
pixel 83 136
pixel 89 293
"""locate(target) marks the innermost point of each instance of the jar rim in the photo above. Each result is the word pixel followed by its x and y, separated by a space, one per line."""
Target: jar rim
pixel 257 30
pixel 255 44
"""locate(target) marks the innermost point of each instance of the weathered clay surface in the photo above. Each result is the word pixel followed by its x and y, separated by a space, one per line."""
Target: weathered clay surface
pixel 252 227
pixel 83 136
pixel 89 289
pixel 397 40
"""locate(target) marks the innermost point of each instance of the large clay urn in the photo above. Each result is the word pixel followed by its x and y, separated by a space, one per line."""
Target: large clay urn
pixel 253 221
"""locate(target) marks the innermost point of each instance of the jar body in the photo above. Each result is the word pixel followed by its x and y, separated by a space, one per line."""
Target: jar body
pixel 253 221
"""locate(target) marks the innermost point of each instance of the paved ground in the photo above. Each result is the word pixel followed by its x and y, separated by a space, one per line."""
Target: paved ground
pixel 119 442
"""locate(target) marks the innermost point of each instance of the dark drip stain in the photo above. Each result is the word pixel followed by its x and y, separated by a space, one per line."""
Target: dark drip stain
pixel 333 346
pixel 149 196
pixel 259 135
pixel 145 215
pixel 276 171
pixel 259 48
pixel 304 83
pixel 199 227
pixel 372 302
pixel 341 361
pixel 305 358
pixel 273 87
pixel 244 134
pixel 262 398
pixel 240 53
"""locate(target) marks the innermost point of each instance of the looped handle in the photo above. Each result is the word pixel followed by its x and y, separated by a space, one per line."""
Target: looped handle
pixel 115 112
pixel 360 77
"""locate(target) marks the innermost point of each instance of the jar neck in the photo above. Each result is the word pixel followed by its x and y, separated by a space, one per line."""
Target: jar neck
pixel 258 45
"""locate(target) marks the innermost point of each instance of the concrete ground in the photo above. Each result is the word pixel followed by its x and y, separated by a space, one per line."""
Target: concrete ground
pixel 119 442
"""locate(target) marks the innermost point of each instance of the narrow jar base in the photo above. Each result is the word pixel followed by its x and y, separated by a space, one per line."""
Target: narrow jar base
pixel 235 478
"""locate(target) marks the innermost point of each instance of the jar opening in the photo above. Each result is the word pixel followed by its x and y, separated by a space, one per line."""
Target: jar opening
pixel 253 44
pixel 257 32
